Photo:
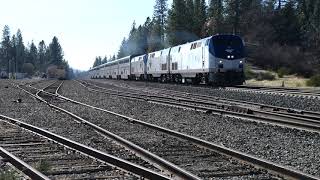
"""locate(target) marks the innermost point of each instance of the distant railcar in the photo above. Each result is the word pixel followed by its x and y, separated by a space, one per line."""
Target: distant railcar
pixel 4 75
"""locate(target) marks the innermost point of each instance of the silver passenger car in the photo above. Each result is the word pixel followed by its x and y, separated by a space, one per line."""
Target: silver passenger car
pixel 158 64
pixel 138 67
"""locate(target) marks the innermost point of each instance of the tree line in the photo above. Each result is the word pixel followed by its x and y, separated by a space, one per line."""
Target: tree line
pixel 16 57
pixel 279 34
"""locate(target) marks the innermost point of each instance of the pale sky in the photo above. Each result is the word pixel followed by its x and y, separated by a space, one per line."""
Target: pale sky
pixel 85 28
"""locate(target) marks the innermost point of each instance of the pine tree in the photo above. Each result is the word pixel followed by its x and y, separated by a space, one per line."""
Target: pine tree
pixel 215 15
pixel 131 43
pixel 154 39
pixel 200 17
pixel 151 34
pixel 233 15
pixel 32 56
pixel 42 57
pixel 20 51
pixel 113 57
pixel 97 62
pixel 104 60
pixel 56 53
pixel 123 51
pixel 191 16
pixel 141 40
pixel 160 16
pixel 177 25
pixel 6 48
pixel 309 11
pixel 13 51
pixel 285 23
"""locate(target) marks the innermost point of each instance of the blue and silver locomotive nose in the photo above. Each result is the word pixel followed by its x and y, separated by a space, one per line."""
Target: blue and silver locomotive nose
pixel 227 58
pixel 228 52
pixel 227 47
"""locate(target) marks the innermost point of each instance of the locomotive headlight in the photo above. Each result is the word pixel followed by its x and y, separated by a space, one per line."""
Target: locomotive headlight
pixel 228 57
pixel 220 62
pixel 232 57
pixel 241 62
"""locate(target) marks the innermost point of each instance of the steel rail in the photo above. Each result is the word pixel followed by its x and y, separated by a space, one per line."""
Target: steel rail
pixel 257 162
pixel 286 114
pixel 297 112
pixel 112 160
pixel 22 166
pixel 252 114
pixel 179 172
pixel 275 91
pixel 294 90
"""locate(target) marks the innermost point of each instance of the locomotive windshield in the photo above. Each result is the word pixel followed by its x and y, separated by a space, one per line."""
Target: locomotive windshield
pixel 224 46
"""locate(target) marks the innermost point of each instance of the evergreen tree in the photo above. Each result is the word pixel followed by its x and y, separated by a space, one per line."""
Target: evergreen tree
pixel 160 16
pixel 20 51
pixel 141 40
pixel 309 11
pixel 233 15
pixel 6 48
pixel 154 39
pixel 131 43
pixel 56 53
pixel 177 25
pixel 42 56
pixel 95 63
pixel 286 26
pixel 200 17
pixel 13 51
pixel 32 55
pixel 123 51
pixel 216 19
pixel 190 17
pixel 104 60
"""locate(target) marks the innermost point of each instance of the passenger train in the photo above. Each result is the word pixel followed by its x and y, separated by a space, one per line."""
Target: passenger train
pixel 217 60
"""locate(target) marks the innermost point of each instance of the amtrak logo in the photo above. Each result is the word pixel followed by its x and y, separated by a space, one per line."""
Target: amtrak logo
pixel 229 50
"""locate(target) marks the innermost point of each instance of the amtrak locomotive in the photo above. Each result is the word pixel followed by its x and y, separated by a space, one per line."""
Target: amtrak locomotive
pixel 217 60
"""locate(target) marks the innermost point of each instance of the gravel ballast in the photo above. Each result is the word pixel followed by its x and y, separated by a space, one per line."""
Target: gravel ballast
pixel 294 148
pixel 206 164
pixel 40 115
pixel 299 102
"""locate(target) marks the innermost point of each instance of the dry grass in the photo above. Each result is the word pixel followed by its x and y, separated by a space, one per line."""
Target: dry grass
pixel 289 81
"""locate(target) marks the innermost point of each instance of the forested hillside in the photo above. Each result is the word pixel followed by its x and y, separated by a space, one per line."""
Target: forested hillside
pixel 32 59
pixel 281 35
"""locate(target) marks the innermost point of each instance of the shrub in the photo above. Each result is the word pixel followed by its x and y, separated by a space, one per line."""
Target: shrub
pixel 314 81
pixel 8 175
pixel 283 71
pixel 43 166
pixel 248 73
pixel 28 68
pixel 266 76
pixel 292 58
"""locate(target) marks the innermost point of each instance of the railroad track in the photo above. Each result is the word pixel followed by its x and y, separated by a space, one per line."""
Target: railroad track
pixel 195 143
pixel 167 168
pixel 28 148
pixel 295 92
pixel 306 120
